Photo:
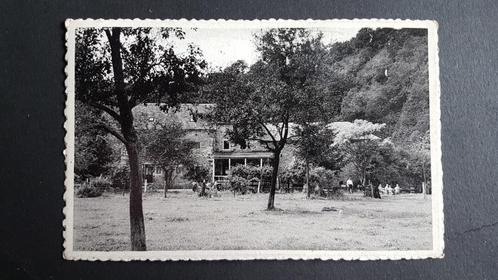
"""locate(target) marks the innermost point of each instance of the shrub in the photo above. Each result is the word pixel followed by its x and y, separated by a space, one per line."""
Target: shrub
pixel 295 178
pixel 243 178
pixel 249 172
pixel 101 183
pixel 94 188
pixel 158 184
pixel 88 190
pixel 240 171
pixel 327 179
pixel 239 184
pixel 292 178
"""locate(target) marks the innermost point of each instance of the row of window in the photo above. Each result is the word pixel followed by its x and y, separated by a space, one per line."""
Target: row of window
pixel 226 145
pixel 150 169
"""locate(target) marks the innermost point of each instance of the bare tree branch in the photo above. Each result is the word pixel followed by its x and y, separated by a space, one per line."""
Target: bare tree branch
pixel 262 141
pixel 111 131
pixel 267 146
pixel 108 33
pixel 106 109
pixel 268 131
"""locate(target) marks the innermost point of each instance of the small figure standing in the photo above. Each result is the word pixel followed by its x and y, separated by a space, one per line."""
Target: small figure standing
pixel 195 186
pixel 317 189
pixel 397 189
pixel 203 189
pixel 381 189
pixel 376 193
pixel 349 183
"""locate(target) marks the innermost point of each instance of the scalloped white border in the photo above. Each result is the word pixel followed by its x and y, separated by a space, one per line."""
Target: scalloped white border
pixel 435 133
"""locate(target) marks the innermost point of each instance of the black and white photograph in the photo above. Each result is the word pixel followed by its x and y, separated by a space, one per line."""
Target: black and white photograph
pixel 276 139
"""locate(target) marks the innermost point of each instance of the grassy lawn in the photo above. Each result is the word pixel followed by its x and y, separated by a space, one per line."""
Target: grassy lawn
pixel 184 221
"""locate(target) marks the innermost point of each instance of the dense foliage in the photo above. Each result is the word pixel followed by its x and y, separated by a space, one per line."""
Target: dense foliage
pixel 249 172
pixel 120 177
pixel 287 85
pixel 94 187
pixel 245 178
pixel 387 81
pixel 378 77
pixel 168 149
pixel 118 68
pixel 93 152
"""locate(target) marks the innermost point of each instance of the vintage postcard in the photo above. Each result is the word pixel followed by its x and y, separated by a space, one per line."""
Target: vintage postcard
pixel 263 139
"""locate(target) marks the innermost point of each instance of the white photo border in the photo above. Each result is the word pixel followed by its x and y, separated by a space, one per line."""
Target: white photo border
pixel 435 142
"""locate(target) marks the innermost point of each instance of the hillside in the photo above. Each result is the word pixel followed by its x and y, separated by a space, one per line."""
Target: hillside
pixel 385 77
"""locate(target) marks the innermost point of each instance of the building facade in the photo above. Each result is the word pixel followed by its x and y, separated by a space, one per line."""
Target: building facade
pixel 212 147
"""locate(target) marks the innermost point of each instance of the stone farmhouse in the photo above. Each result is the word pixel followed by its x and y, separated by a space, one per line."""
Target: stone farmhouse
pixel 211 145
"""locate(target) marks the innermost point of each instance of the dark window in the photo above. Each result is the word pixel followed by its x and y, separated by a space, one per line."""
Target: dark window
pixel 237 161
pixel 226 145
pixel 196 145
pixel 221 166
pixel 253 161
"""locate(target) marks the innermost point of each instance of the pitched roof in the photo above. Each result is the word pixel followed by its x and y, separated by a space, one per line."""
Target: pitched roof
pixel 184 114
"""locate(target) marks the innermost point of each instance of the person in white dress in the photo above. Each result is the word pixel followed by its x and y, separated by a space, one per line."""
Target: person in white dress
pixel 382 189
pixel 349 184
pixel 397 189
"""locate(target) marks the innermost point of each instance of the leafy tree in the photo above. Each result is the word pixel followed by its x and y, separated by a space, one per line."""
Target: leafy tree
pixel 360 145
pixel 93 155
pixel 167 148
pixel 313 144
pixel 118 68
pixel 389 80
pixel 296 176
pixel 420 158
pixel 197 172
pixel 262 102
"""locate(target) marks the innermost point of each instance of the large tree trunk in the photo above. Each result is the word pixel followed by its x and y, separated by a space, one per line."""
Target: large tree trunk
pixel 137 226
pixel 168 181
pixel 364 181
pixel 273 186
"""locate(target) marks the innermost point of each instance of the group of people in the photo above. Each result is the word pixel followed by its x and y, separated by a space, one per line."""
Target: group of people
pixel 206 189
pixel 377 190
pixel 389 190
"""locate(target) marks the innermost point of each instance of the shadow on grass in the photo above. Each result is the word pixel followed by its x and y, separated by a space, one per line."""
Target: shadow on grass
pixel 279 211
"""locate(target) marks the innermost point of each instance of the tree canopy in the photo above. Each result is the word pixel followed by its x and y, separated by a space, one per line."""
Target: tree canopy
pixel 118 68
pixel 93 154
pixel 167 148
pixel 285 86
pixel 152 70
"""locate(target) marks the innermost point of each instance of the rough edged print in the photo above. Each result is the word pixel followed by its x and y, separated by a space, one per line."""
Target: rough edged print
pixel 264 139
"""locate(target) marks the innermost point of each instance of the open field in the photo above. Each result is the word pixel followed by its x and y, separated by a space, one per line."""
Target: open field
pixel 184 221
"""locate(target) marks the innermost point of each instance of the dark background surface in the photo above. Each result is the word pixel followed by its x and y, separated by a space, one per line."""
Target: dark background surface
pixel 32 165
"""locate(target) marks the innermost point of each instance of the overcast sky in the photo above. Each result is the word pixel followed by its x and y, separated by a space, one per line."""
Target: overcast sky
pixel 222 47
